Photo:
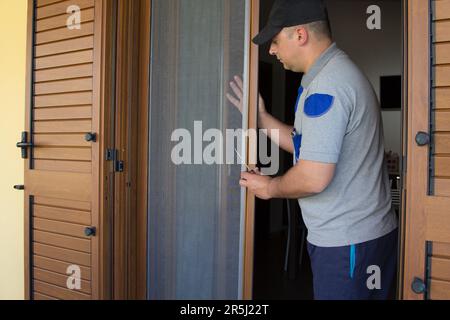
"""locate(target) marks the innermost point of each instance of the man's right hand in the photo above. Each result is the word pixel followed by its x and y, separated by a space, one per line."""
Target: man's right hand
pixel 265 120
pixel 238 87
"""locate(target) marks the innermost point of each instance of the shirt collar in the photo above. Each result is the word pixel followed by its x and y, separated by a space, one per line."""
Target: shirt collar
pixel 326 56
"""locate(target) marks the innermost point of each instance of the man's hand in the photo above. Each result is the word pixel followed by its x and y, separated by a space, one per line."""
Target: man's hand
pixel 265 120
pixel 256 184
pixel 238 87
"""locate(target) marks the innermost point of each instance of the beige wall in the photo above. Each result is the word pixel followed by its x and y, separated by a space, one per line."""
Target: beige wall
pixel 13 24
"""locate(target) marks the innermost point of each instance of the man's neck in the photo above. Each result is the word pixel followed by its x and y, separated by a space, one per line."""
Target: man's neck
pixel 318 50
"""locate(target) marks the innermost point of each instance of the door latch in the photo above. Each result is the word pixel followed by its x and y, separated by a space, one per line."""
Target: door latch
pixel 113 155
pixel 24 145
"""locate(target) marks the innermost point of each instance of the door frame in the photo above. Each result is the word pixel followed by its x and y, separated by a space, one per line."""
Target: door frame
pixel 129 136
pixel 253 73
pixel 421 42
pixel 416 117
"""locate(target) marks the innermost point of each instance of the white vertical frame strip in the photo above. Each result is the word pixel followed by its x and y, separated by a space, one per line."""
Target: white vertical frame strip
pixel 245 107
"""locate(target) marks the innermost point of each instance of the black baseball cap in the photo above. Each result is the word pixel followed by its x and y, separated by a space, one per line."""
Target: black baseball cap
pixel 289 13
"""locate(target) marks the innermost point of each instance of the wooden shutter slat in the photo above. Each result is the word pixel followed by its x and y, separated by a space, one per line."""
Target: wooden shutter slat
pixel 62 203
pixel 442 74
pixel 63 166
pixel 68 99
pixel 437 220
pixel 66 59
pixel 61 8
pixel 441 249
pixel 60 140
pixel 59 280
pixel 442 121
pixel 62 241
pixel 440 269
pixel 441 31
pixel 84 84
pixel 442 98
pixel 63 126
pixel 60 21
pixel 80 154
pixel 41 3
pixel 54 35
pixel 65 46
pixel 441 9
pixel 59 266
pixel 442 143
pixel 440 290
pixel 442 166
pixel 63 113
pixel 63 215
pixel 442 53
pixel 62 293
pixel 75 257
pixel 40 296
pixel 79 71
pixel 63 228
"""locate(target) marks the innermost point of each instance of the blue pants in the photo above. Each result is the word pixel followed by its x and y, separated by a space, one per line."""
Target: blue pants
pixel 366 271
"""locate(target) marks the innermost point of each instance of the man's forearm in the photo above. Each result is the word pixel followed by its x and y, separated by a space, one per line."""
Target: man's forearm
pixel 269 122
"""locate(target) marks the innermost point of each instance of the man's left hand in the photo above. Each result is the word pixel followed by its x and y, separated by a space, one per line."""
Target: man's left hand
pixel 256 184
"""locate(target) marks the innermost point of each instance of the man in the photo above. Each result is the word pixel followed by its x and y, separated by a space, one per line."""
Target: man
pixel 339 175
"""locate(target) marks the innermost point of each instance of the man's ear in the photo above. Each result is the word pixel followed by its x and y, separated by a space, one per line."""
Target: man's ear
pixel 302 35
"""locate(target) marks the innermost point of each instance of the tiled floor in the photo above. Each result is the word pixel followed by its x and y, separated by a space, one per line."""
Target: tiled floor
pixel 270 280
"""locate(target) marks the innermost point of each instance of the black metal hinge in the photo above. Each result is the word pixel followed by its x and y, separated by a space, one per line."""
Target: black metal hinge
pixel 113 155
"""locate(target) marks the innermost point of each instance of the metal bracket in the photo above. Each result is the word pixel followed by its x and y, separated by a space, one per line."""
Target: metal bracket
pixel 112 155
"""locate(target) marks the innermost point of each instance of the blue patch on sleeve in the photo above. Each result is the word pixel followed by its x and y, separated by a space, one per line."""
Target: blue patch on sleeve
pixel 300 92
pixel 297 139
pixel 318 104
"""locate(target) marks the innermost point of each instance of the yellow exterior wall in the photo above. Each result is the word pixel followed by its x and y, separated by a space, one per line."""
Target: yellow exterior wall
pixel 13 26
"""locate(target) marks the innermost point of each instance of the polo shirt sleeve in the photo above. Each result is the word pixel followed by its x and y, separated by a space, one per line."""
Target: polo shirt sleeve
pixel 325 119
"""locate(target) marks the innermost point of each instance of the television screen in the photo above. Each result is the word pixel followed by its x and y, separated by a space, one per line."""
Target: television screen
pixel 391 92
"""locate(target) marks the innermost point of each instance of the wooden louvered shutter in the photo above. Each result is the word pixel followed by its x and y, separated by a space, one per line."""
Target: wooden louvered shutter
pixel 427 228
pixel 62 169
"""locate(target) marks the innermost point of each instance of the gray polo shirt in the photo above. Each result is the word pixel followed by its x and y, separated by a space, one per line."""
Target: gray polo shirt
pixel 338 120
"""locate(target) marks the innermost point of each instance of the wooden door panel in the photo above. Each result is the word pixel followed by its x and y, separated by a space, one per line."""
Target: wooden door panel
pixel 427 240
pixel 61 185
pixel 62 175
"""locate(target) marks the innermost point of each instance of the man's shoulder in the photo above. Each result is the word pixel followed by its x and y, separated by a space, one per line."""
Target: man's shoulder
pixel 341 76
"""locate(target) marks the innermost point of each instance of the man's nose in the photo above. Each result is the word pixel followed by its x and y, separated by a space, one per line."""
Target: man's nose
pixel 272 51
